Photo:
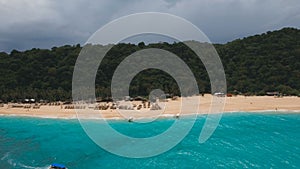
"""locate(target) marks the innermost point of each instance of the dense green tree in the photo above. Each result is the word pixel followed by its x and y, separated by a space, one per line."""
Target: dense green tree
pixel 253 65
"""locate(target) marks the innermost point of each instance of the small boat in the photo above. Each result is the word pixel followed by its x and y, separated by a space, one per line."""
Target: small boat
pixel 57 166
pixel 130 119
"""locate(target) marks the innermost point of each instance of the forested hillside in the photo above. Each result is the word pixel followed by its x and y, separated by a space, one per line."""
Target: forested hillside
pixel 253 65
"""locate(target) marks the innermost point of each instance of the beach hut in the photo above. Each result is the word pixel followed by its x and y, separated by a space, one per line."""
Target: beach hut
pixel 219 94
pixel 107 99
pixel 26 101
pixel 273 93
pixel 139 98
pixel 67 102
pixel 128 98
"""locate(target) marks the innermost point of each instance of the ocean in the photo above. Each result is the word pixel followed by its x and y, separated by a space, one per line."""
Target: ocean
pixel 242 140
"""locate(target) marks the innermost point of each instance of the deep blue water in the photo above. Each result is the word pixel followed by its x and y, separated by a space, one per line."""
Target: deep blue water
pixel 242 140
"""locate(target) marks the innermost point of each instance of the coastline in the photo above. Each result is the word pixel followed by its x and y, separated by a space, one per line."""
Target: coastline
pixel 159 117
pixel 236 104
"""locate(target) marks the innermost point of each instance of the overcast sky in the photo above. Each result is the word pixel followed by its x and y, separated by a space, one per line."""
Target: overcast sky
pixel 25 24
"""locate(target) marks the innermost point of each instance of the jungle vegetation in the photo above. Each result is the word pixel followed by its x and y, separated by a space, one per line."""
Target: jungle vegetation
pixel 253 65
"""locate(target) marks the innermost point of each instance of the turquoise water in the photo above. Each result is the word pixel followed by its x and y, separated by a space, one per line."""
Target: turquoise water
pixel 241 140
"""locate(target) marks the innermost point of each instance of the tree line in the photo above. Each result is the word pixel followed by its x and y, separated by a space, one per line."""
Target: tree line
pixel 253 65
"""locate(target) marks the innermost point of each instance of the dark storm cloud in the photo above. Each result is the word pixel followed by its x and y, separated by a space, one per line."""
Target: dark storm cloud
pixel 45 23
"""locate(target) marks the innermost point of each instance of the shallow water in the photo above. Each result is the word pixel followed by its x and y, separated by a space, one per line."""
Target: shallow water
pixel 242 140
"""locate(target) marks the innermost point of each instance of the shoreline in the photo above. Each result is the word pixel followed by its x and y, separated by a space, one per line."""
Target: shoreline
pixel 237 104
pixel 171 116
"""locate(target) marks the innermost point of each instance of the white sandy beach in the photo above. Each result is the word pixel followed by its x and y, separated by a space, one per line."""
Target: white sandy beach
pixel 170 108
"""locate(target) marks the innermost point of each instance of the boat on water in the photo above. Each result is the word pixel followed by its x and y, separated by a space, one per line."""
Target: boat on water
pixel 57 166
pixel 130 119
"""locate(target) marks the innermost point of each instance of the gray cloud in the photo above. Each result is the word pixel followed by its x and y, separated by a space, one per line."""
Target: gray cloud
pixel 45 23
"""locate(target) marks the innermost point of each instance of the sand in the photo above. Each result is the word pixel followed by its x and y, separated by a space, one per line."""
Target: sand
pixel 171 108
